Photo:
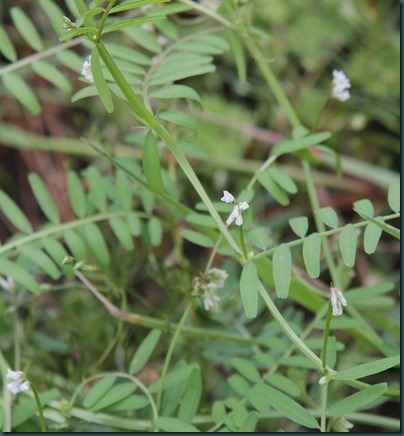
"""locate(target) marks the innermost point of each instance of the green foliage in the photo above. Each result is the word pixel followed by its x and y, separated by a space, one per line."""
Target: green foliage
pixel 140 217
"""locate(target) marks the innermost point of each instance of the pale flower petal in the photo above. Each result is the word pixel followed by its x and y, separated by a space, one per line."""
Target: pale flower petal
pixel 337 301
pixel 86 71
pixel 243 205
pixel 19 384
pixel 340 86
pixel 14 375
pixel 227 197
pixel 233 216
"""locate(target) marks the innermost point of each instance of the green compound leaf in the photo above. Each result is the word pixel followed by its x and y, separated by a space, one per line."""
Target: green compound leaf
pixel 98 247
pixel 393 196
pixel 75 244
pixel 19 275
pixel 122 232
pixel 53 12
pixel 238 384
pixel 282 179
pixel 98 391
pixel 14 214
pixel 155 231
pixel 311 254
pixel 124 190
pixel 371 237
pixel 292 145
pixel 144 352
pixel 53 75
pixel 28 31
pixel 115 394
pixel 174 425
pixel 273 188
pixel 200 219
pixel 41 259
pixel 286 406
pixel 100 82
pixel 249 289
pixel 283 383
pixel 44 199
pixel 366 369
pixel 197 238
pixel 347 244
pixel 22 92
pixel 130 23
pixel 192 396
pixel 218 411
pixel 239 56
pixel 134 4
pixel 183 119
pixel 133 402
pixel 97 194
pixel 299 225
pixel 364 206
pixel 6 46
pixel 151 163
pixel 246 369
pixel 282 270
pixel 357 400
pixel 77 196
pixel 176 91
pixel 328 216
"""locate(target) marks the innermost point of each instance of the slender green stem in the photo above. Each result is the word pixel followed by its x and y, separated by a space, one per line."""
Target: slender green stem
pixel 146 118
pixel 325 233
pixel 320 115
pixel 242 242
pixel 323 416
pixel 286 327
pixel 40 411
pixel 325 339
pixel 102 21
pixel 134 379
pixel 170 354
pixel 214 251
pixel 263 167
pixel 61 228
pixel 6 401
pixel 29 60
pixel 16 323
pixel 268 74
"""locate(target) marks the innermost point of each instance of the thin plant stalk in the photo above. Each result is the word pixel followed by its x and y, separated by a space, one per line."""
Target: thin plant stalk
pixel 39 407
pixel 170 354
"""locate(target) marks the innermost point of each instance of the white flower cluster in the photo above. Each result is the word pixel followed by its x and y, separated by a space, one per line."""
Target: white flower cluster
pixel 340 86
pixel 86 71
pixel 205 286
pixel 337 301
pixel 19 384
pixel 238 208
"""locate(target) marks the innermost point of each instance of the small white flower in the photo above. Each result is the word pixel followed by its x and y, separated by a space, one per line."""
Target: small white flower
pixel 210 299
pixel 340 86
pixel 227 197
pixel 86 71
pixel 235 215
pixel 205 286
pixel 243 205
pixel 337 301
pixel 19 384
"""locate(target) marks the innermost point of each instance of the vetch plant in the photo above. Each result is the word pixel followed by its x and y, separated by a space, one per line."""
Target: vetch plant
pixel 274 348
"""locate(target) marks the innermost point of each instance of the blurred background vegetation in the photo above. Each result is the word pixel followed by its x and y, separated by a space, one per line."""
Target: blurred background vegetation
pixel 66 334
